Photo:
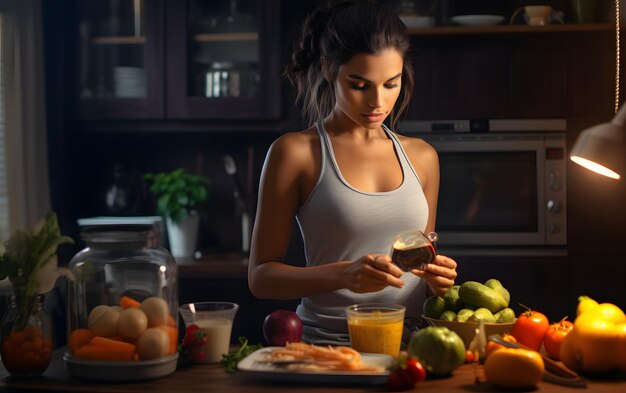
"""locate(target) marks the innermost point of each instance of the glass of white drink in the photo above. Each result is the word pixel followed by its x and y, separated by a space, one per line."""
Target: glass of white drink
pixel 216 320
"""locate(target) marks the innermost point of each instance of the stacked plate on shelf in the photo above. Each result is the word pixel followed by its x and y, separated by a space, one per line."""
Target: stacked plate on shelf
pixel 478 20
pixel 416 21
pixel 129 82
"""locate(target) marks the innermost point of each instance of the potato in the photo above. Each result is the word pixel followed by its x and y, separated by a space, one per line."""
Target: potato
pixel 103 321
pixel 156 310
pixel 132 323
pixel 152 344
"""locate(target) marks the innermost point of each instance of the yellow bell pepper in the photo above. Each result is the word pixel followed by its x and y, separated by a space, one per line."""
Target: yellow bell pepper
pixel 585 303
pixel 514 368
pixel 598 341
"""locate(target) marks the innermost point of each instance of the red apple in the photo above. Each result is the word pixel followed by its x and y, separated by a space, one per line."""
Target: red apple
pixel 281 327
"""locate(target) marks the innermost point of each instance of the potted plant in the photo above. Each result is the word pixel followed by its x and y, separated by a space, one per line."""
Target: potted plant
pixel 178 195
pixel 29 262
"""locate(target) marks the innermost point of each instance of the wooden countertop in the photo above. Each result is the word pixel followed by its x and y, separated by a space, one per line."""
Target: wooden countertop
pixel 213 378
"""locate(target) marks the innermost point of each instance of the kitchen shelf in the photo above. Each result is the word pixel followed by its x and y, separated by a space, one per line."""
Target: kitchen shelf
pixel 119 40
pixel 223 266
pixel 225 37
pixel 510 29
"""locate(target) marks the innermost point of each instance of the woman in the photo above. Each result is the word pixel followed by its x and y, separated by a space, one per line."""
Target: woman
pixel 351 183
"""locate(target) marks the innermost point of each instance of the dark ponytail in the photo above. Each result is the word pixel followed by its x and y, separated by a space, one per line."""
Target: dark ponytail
pixel 337 32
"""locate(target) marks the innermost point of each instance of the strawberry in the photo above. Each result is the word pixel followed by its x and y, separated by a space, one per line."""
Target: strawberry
pixel 190 350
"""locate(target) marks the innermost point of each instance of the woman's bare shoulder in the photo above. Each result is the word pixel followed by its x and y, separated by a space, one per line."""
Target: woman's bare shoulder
pixel 294 144
pixel 418 148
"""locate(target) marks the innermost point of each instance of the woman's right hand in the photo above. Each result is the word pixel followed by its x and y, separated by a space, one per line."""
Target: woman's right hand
pixel 371 273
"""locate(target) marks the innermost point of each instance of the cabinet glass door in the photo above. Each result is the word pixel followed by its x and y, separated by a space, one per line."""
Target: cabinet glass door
pixel 223 49
pixel 117 78
pixel 222 61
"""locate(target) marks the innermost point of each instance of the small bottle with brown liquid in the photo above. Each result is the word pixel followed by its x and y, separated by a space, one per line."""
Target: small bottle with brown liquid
pixel 413 249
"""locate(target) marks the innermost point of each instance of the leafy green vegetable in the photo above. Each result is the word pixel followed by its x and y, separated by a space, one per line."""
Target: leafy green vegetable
pixel 230 360
pixel 30 263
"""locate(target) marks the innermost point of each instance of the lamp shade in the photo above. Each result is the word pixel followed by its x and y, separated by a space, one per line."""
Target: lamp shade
pixel 601 148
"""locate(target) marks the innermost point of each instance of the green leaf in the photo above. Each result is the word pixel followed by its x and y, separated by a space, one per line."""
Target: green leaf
pixel 178 192
pixel 230 360
pixel 183 199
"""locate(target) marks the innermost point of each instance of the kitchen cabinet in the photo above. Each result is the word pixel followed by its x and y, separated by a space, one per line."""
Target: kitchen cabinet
pixel 178 59
pixel 120 52
pixel 511 71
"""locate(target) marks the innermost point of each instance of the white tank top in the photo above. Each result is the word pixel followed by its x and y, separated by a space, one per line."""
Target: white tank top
pixel 339 222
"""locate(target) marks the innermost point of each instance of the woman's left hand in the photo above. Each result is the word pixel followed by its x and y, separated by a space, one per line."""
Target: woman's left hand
pixel 439 274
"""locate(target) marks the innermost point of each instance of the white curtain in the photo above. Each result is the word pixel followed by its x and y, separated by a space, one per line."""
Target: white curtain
pixel 26 139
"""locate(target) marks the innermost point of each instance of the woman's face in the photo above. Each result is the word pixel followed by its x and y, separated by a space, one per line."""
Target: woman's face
pixel 367 87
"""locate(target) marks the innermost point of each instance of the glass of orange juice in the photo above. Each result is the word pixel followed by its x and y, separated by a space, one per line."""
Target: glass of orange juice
pixel 376 327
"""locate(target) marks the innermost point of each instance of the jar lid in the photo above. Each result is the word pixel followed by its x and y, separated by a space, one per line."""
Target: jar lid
pixel 116 234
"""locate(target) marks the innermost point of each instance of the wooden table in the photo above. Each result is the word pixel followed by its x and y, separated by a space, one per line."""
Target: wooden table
pixel 213 379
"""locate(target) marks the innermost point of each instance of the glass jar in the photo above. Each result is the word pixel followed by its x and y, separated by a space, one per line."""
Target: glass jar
pixel 122 306
pixel 26 337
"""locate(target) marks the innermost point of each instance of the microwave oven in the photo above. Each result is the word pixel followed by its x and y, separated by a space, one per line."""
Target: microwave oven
pixel 502 183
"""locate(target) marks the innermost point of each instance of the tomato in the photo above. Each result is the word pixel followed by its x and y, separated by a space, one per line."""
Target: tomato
pixel 469 356
pixel 415 369
pixel 554 337
pixel 514 368
pixel 493 346
pixel 407 372
pixel 395 381
pixel 529 329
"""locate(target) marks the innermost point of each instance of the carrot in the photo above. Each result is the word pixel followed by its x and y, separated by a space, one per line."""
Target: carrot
pixel 17 337
pixel 22 350
pixel 37 343
pixel 78 338
pixel 8 347
pixel 28 361
pixel 27 346
pixel 31 331
pixel 45 355
pixel 172 333
pixel 116 345
pixel 93 352
pixel 128 302
pixel 120 338
pixel 29 358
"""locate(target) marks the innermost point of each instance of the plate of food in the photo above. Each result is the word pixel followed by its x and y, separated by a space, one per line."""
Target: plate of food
pixel 478 20
pixel 300 362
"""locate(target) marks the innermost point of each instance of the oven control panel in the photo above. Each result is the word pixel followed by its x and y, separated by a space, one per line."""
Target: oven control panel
pixel 555 190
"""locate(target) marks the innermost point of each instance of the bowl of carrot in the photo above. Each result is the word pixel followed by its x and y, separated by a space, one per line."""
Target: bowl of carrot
pixel 130 341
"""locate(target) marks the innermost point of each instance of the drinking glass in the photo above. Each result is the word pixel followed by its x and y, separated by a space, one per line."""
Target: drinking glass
pixel 376 327
pixel 216 320
pixel 413 249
